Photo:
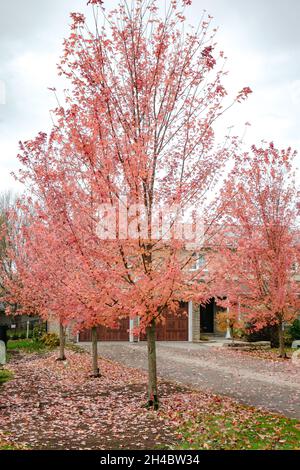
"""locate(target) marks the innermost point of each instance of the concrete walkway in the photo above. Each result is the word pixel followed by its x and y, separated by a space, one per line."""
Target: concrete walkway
pixel 274 386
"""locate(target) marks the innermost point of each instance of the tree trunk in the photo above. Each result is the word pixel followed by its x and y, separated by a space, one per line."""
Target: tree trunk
pixel 96 371
pixel 282 352
pixel 152 374
pixel 62 343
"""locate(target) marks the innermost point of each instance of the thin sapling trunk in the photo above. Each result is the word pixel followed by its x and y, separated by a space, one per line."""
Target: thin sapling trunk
pixel 282 352
pixel 152 373
pixel 96 370
pixel 62 342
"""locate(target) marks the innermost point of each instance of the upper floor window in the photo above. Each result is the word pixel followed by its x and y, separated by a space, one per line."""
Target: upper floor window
pixel 199 262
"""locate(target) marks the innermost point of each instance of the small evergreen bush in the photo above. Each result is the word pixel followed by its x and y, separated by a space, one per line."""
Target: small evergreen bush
pixel 294 330
pixel 51 340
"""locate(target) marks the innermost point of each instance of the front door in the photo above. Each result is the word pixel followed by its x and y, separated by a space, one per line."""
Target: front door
pixel 207 313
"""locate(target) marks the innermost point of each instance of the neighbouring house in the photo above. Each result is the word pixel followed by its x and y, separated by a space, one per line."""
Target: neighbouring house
pixel 17 323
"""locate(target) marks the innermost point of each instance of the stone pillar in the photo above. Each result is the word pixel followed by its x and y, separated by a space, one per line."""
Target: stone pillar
pixel 196 322
pixel 190 322
pixel 133 323
pixel 131 326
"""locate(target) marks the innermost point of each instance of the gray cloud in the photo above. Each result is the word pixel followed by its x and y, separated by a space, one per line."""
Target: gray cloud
pixel 260 37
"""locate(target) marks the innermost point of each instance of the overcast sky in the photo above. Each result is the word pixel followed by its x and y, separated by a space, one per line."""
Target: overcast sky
pixel 261 39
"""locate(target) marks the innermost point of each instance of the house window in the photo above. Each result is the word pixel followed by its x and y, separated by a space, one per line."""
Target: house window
pixel 199 262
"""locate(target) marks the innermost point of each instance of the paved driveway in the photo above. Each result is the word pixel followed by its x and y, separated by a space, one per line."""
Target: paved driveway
pixel 274 386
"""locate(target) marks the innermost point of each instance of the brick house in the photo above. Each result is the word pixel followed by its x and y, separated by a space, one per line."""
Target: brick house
pixel 188 324
pixel 192 321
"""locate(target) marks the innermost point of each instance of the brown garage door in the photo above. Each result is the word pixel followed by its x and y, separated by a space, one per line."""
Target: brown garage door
pixel 109 334
pixel 175 328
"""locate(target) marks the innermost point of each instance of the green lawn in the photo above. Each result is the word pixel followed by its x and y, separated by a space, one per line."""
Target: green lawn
pixel 26 345
pixel 5 375
pixel 8 447
pixel 240 428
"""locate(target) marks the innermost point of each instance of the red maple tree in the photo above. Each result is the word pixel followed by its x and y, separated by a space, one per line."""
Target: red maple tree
pixel 136 133
pixel 51 275
pixel 259 262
